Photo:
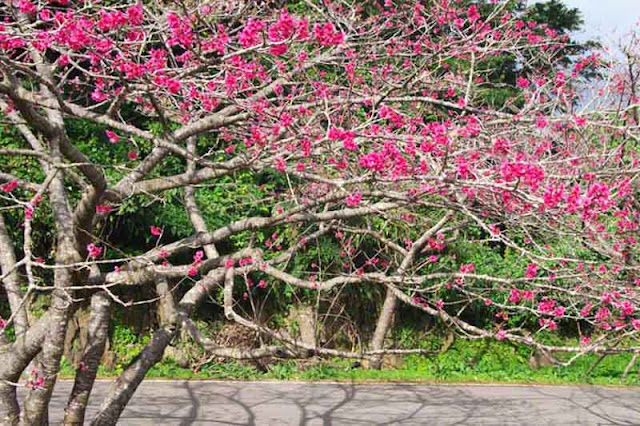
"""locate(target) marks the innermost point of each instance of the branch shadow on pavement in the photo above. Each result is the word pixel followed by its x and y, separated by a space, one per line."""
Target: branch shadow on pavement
pixel 236 403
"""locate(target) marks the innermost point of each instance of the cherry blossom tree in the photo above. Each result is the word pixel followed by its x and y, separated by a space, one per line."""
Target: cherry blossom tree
pixel 378 118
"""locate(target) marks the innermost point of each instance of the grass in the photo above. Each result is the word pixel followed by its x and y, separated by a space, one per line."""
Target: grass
pixel 464 362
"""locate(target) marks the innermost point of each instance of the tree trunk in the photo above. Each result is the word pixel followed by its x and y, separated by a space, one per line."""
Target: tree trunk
pixel 88 369
pixel 382 326
pixel 12 282
pixel 389 306
pixel 37 400
pixel 305 317
pixel 14 294
pixel 127 383
pixel 13 362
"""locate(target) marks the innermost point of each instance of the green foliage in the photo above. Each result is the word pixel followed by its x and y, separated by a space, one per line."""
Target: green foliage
pixel 556 15
pixel 481 361
pixel 126 346
pixel 123 336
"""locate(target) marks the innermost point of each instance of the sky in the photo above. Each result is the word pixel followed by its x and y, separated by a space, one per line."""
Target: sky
pixel 606 19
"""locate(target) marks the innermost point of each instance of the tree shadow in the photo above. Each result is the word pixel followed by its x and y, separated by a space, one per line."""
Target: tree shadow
pixel 269 403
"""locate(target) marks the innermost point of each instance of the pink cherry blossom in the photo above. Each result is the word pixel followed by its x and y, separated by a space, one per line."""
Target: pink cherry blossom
pixel 103 209
pixel 10 186
pixel 112 136
pixel 251 33
pixel 93 250
pixel 467 268
pixel 354 200
pixel 523 83
pixel 327 35
pixel 531 271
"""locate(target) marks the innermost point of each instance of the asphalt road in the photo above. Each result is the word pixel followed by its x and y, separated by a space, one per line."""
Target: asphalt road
pixel 267 403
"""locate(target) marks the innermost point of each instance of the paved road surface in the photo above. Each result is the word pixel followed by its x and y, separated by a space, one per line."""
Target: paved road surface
pixel 265 403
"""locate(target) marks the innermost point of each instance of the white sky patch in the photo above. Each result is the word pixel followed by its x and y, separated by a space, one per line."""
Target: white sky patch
pixel 608 20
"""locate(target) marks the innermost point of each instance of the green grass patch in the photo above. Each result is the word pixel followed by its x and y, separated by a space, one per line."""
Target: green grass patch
pixel 465 362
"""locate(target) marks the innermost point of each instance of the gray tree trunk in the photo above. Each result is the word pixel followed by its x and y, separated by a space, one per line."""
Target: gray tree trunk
pixel 382 326
pixel 127 383
pixel 88 369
